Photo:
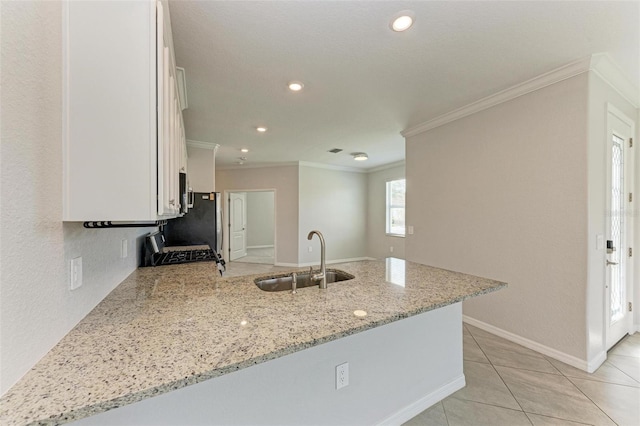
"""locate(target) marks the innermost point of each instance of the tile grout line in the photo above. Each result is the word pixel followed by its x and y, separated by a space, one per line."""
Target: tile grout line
pixel 592 401
pixel 557 418
pixel 445 413
pixel 494 369
pixel 486 403
pixel 561 374
pixel 622 371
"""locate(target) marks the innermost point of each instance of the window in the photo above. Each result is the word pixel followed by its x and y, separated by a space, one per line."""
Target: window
pixel 395 207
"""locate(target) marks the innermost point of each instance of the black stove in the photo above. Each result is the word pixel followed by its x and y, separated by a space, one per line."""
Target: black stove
pixel 185 256
pixel 156 254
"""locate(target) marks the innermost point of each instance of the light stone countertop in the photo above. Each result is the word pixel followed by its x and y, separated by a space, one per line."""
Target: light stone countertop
pixel 167 327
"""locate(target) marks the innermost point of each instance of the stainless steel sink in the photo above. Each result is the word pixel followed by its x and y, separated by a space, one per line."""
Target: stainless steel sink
pixel 282 283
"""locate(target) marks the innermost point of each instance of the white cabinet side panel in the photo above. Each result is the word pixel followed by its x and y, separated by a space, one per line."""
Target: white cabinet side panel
pixel 110 111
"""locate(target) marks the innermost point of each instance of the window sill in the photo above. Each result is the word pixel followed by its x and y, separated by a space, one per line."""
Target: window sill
pixel 395 235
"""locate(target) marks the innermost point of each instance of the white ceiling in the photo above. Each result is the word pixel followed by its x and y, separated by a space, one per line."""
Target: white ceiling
pixel 364 83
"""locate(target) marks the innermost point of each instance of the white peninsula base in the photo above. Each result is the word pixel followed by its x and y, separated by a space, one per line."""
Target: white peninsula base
pixel 395 372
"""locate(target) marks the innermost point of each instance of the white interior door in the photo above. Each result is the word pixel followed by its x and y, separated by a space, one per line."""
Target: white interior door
pixel 619 227
pixel 237 225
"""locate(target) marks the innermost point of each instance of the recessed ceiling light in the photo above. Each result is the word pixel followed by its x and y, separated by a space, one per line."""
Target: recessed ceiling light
pixel 360 156
pixel 295 86
pixel 261 129
pixel 244 150
pixel 402 21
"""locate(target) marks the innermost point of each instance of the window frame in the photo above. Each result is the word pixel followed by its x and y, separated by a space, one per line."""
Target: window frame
pixel 388 206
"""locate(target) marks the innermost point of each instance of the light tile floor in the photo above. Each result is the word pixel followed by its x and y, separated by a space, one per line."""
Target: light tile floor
pixel 264 255
pixel 508 384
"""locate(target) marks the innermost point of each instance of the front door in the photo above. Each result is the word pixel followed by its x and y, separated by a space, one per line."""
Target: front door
pixel 618 261
pixel 238 225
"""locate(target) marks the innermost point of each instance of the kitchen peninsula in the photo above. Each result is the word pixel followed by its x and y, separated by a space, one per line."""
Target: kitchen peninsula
pixel 186 336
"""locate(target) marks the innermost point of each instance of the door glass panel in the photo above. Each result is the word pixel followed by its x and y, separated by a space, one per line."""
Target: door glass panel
pixel 617 288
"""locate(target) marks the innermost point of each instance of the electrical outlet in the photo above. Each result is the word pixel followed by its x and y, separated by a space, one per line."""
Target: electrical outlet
pixel 410 229
pixel 124 248
pixel 391 249
pixel 310 249
pixel 75 273
pixel 342 375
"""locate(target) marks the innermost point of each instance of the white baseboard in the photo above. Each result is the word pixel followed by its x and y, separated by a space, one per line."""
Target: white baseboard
pixel 329 262
pixel 415 408
pixel 636 328
pixel 267 246
pixel 588 366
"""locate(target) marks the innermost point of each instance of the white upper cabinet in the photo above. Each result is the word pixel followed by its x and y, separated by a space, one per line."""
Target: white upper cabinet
pixel 123 131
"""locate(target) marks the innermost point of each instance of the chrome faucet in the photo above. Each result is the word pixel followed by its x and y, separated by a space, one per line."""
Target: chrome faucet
pixel 322 275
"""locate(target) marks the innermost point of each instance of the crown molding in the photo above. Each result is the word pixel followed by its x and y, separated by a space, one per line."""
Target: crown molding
pixel 601 64
pixel 203 145
pixel 386 166
pixel 256 166
pixel 536 83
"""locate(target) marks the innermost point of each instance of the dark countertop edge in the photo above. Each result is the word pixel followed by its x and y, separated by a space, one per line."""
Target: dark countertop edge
pixel 132 398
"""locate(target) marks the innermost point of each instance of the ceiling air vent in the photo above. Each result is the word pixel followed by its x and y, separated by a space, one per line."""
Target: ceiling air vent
pixel 335 150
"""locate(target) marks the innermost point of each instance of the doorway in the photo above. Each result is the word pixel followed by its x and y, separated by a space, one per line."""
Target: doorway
pixel 252 227
pixel 619 227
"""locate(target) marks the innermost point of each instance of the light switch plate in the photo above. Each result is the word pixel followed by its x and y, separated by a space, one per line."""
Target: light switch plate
pixel 124 248
pixel 75 273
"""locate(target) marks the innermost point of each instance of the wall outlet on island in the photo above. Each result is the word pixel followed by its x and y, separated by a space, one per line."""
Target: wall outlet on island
pixel 342 375
pixel 391 249
pixel 310 249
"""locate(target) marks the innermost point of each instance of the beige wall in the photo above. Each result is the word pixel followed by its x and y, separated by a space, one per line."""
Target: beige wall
pixel 284 180
pixel 378 242
pixel 36 307
pixel 200 168
pixel 260 218
pixel 503 194
pixel 335 203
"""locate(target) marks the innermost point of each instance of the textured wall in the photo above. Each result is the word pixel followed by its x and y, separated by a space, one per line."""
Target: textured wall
pixel 36 307
pixel 378 242
pixel 260 218
pixel 503 194
pixel 201 169
pixel 284 180
pixel 335 203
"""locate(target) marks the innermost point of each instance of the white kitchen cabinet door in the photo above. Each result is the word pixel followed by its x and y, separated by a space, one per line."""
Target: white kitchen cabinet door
pixel 117 62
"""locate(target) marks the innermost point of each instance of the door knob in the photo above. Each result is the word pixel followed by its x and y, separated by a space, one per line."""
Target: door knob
pixel 611 263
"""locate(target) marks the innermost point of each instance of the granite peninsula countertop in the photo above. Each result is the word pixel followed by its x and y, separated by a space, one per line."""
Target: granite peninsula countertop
pixel 168 327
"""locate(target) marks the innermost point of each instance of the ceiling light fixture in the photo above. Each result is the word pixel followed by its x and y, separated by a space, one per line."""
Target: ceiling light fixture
pixel 245 150
pixel 261 129
pixel 360 156
pixel 295 86
pixel 402 21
